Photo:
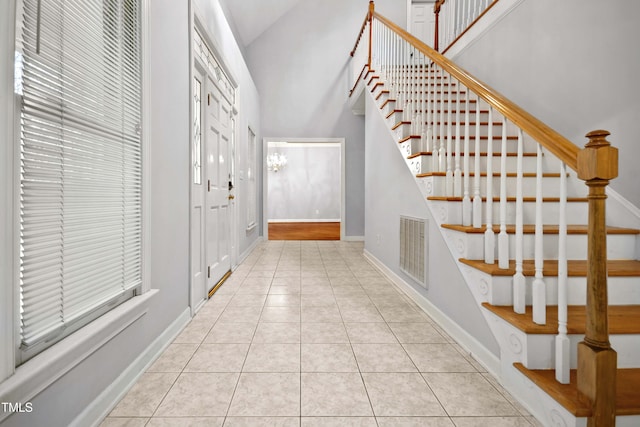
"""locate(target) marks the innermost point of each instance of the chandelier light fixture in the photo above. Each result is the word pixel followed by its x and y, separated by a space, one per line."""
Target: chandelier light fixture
pixel 276 161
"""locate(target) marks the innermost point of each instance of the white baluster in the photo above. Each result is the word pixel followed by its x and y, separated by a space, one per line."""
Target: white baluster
pixel 457 173
pixel 503 238
pixel 433 116
pixel 426 128
pixel 539 291
pixel 442 153
pixel 519 282
pixel 477 200
pixel 562 340
pixel 466 199
pixel 489 235
pixel 449 176
pixel 415 72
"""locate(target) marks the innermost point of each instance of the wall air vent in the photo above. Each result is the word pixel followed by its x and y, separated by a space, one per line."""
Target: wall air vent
pixel 413 248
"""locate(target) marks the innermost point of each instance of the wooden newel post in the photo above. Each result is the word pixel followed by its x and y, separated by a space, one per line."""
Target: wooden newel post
pixel 372 9
pixel 436 35
pixel 597 361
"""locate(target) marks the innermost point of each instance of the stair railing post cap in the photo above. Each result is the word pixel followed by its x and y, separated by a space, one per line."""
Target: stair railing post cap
pixel 598 160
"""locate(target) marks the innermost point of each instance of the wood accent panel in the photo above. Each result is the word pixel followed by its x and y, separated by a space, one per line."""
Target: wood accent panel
pixel 623 319
pixel 304 231
pixel 627 390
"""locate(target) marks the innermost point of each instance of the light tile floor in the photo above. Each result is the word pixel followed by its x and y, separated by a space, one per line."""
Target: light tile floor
pixel 310 334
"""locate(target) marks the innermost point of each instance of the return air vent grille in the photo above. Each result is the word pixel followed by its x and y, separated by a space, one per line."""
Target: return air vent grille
pixel 413 248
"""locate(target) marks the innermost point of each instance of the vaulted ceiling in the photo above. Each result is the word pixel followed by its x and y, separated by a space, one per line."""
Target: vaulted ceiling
pixel 250 18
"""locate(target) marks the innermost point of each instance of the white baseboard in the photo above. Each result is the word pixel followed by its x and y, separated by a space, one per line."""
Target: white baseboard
pixel 479 352
pixel 353 239
pixel 108 399
pixel 243 256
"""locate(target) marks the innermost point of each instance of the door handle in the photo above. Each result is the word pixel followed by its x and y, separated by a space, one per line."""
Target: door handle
pixel 231 197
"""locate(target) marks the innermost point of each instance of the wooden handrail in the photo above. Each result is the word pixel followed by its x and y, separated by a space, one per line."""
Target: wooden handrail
pixel 367 18
pixel 459 36
pixel 560 146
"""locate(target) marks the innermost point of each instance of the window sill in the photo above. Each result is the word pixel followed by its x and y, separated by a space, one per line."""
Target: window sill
pixel 44 369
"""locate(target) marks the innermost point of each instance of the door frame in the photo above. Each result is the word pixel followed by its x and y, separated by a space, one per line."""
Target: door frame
pixel 196 23
pixel 265 178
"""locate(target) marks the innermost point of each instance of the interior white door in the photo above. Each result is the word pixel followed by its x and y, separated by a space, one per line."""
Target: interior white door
pixel 218 219
pixel 423 22
pixel 198 262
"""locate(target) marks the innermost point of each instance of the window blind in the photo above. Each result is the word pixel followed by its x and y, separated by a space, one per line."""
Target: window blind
pixel 80 162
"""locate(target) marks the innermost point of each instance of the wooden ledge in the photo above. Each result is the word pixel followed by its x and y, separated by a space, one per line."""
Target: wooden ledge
pixel 509 199
pixel 576 268
pixel 546 229
pixel 567 395
pixel 623 319
pixel 497 174
pixel 473 154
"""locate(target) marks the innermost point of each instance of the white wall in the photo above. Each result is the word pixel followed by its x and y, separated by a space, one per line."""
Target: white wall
pixel 300 66
pixel 573 64
pixel 391 191
pixel 308 188
pixel 169 35
pixel 61 402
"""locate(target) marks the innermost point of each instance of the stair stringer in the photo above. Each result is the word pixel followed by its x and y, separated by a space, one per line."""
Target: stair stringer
pixel 513 346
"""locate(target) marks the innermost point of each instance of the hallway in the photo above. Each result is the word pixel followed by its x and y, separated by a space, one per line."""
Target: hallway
pixel 310 334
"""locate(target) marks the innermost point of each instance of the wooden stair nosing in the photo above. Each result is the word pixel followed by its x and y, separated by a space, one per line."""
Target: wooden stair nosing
pixel 382 93
pixel 473 154
pixel 576 267
pixel 567 395
pixel 546 229
pixel 496 174
pixel 509 199
pixel 623 319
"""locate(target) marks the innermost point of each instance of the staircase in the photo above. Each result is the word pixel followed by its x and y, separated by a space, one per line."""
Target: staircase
pixel 517 218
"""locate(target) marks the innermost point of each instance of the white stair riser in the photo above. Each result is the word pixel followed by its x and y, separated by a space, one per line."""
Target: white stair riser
pixel 484 129
pixel 498 290
pixel 471 246
pixel 550 187
pixel 424 163
pixel 451 212
pixel 540 351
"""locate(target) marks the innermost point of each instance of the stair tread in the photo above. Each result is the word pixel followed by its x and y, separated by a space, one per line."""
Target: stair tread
pixel 497 174
pixel 576 268
pixel 473 154
pixel 623 319
pixel 567 395
pixel 509 199
pixel 547 229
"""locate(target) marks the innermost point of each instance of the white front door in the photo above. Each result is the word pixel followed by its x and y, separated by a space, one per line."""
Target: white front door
pixel 217 142
pixel 423 22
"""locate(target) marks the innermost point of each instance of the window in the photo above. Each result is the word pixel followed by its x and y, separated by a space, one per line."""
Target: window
pixel 80 165
pixel 251 178
pixel 197 131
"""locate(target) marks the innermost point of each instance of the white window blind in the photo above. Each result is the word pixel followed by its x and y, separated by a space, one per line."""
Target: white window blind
pixel 80 163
